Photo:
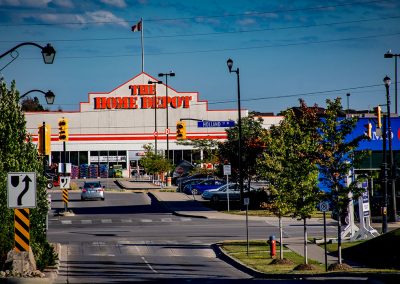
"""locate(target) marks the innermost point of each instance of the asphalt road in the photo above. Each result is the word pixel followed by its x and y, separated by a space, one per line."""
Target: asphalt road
pixel 129 237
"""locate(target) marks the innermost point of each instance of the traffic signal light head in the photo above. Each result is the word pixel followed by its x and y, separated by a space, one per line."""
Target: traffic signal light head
pixel 180 130
pixel 378 113
pixel 63 129
pixel 368 130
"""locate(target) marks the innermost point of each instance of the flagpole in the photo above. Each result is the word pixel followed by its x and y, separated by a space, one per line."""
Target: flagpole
pixel 141 40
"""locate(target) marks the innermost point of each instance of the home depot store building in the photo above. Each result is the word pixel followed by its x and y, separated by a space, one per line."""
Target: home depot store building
pixel 111 128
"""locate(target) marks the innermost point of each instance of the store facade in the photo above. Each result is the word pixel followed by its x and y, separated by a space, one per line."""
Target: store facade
pixel 111 128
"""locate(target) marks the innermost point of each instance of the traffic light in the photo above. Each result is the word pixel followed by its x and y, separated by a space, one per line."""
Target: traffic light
pixel 368 130
pixel 378 113
pixel 180 130
pixel 63 129
pixel 44 138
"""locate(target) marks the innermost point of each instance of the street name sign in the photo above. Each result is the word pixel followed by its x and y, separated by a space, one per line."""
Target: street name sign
pixel 209 123
pixel 227 170
pixel 21 190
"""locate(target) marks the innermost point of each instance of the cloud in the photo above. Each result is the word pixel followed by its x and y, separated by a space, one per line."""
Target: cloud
pixel 246 22
pixel 105 16
pixel 24 3
pixel 63 3
pixel 115 3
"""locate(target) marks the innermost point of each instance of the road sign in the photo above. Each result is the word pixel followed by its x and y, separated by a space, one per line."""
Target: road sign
pixel 209 123
pixel 324 206
pixel 65 182
pixel 21 190
pixel 167 131
pixel 155 133
pixel 227 170
pixel 246 201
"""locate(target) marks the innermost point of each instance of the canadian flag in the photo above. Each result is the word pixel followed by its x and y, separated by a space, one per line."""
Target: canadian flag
pixel 137 27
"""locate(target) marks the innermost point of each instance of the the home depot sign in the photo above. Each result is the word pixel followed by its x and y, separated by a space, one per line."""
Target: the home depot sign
pixel 144 97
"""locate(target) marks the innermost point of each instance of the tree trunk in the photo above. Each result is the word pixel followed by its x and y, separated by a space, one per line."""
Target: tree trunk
pixel 280 237
pixel 305 242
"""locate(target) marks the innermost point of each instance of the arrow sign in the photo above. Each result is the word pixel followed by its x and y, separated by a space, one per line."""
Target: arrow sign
pixel 65 182
pixel 21 190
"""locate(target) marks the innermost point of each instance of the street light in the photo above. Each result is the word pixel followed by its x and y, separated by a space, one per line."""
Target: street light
pixel 155 113
pixel 49 95
pixel 389 54
pixel 393 213
pixel 170 74
pixel 48 51
pixel 229 62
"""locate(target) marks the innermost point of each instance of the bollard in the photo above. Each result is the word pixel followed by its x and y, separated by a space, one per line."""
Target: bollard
pixel 272 246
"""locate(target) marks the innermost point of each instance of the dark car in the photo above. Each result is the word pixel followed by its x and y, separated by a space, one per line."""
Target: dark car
pixel 186 186
pixel 180 182
pixel 206 185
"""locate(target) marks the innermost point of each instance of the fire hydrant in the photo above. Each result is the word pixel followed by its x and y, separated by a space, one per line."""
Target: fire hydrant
pixel 272 246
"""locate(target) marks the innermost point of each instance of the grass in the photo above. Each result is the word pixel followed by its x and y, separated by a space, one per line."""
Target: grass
pixel 259 257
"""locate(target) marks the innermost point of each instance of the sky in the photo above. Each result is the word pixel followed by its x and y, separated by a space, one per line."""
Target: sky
pixel 285 50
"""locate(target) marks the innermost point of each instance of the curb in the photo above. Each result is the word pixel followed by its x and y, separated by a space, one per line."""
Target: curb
pixel 387 278
pixel 164 204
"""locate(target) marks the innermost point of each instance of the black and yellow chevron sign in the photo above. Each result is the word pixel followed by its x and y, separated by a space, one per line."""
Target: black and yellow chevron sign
pixel 21 229
pixel 65 195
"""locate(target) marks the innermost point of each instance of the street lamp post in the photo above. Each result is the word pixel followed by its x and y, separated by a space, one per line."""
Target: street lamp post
pixel 48 52
pixel 393 213
pixel 229 62
pixel 170 74
pixel 348 102
pixel 155 113
pixel 49 95
pixel 389 54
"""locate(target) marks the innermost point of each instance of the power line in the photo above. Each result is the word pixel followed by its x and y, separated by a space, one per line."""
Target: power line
pixel 216 33
pixel 205 17
pixel 231 48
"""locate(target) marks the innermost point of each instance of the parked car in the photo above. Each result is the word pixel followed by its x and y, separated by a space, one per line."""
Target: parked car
pixel 182 180
pixel 206 185
pixel 220 193
pixel 187 185
pixel 92 190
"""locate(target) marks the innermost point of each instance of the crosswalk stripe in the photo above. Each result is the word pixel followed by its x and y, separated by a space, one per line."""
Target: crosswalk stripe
pixel 65 222
pixel 86 221
pixel 104 221
pixel 146 220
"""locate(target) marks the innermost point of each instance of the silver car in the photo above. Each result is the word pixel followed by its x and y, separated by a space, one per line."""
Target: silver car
pixel 220 193
pixel 92 190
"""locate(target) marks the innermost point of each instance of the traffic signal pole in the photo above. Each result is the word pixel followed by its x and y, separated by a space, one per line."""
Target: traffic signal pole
pixel 65 171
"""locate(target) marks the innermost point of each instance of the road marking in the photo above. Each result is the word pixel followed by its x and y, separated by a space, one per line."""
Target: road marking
pixel 186 219
pixel 148 264
pixel 101 254
pixel 166 220
pixel 106 221
pixel 86 221
pixel 146 220
pixel 65 222
pixel 126 220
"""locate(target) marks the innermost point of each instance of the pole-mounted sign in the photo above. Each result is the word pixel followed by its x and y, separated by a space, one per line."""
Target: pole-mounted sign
pixel 21 190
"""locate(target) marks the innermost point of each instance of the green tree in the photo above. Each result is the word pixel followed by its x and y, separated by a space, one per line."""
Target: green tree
pixel 337 156
pixel 154 163
pixel 252 147
pixel 303 140
pixel 29 104
pixel 19 154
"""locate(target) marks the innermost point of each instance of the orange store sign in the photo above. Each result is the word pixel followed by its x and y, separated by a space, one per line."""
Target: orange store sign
pixel 143 97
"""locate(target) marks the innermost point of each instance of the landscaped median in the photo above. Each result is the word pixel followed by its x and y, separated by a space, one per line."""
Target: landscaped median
pixel 260 264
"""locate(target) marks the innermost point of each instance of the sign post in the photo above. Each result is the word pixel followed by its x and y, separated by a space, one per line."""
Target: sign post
pixel 246 201
pixel 21 191
pixel 227 173
pixel 324 206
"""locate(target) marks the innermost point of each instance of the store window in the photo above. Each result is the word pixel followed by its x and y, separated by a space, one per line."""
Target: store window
pixel 83 157
pixel 187 155
pixel 73 158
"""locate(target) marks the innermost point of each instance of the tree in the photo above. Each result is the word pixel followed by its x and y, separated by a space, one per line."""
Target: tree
pixel 154 163
pixel 304 141
pixel 337 156
pixel 29 104
pixel 289 165
pixel 252 147
pixel 19 154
